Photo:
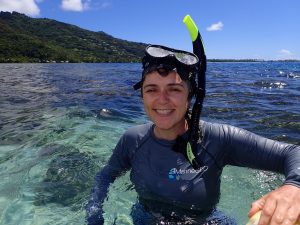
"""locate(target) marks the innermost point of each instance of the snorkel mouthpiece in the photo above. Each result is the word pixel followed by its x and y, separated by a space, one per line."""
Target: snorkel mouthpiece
pixel 191 157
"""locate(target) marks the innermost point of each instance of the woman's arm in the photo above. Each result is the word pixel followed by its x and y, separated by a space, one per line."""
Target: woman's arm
pixel 118 163
pixel 247 149
pixel 281 206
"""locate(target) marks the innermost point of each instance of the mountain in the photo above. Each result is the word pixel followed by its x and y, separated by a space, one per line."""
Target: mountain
pixel 26 39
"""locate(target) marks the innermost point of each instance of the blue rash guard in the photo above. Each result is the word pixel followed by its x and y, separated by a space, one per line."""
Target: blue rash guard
pixel 165 179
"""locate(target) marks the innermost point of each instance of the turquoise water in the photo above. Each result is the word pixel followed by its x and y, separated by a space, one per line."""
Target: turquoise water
pixel 60 122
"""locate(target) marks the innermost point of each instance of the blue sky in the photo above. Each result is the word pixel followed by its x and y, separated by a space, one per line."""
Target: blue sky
pixel 235 29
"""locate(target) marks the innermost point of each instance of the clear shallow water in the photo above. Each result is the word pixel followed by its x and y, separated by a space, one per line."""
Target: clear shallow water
pixel 60 122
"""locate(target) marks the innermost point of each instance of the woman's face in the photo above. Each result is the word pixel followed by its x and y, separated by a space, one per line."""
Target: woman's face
pixel 166 100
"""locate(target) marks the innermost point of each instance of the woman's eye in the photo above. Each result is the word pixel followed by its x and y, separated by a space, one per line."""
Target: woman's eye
pixel 175 90
pixel 150 90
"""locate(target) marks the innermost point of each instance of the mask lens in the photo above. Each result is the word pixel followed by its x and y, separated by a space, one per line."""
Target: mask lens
pixel 158 52
pixel 183 57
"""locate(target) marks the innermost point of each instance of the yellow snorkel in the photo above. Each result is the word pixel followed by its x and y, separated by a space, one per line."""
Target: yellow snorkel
pixel 198 49
pixel 191 26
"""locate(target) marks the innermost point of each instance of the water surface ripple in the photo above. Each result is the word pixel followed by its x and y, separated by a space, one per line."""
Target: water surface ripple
pixel 60 122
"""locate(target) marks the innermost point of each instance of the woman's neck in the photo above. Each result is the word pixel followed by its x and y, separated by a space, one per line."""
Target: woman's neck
pixel 172 133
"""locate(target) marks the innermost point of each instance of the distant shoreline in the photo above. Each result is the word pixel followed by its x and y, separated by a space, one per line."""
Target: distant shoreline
pixel 209 60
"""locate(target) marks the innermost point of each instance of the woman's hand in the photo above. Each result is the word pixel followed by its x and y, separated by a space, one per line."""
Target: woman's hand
pixel 281 206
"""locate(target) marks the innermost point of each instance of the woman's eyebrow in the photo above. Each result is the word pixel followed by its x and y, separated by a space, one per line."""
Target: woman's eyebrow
pixel 169 85
pixel 150 85
pixel 175 84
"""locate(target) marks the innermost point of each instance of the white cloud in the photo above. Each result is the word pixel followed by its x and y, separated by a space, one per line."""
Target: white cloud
pixel 215 26
pixel 75 5
pixel 28 7
pixel 285 52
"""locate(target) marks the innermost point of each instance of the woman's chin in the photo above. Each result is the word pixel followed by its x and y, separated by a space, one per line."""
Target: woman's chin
pixel 163 127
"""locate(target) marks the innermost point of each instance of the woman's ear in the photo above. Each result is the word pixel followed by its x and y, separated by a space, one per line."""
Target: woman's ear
pixel 142 92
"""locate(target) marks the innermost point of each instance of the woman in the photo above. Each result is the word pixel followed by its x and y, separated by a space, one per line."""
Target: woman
pixel 176 164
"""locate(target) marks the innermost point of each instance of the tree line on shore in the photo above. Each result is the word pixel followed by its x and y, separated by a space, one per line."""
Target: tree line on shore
pixel 40 40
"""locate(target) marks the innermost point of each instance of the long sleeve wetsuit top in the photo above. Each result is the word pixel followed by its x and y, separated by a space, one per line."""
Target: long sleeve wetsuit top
pixel 161 175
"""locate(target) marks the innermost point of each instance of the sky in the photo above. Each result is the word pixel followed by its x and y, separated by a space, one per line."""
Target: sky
pixel 231 29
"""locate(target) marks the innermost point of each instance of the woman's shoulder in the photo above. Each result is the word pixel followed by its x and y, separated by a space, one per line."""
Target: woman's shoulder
pixel 208 126
pixel 218 128
pixel 223 130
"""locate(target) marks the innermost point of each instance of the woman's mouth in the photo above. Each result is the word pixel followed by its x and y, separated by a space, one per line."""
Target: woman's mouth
pixel 163 112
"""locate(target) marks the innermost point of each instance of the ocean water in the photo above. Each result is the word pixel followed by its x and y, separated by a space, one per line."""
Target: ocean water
pixel 59 124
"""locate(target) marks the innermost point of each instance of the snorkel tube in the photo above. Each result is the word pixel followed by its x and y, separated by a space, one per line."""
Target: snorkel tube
pixel 198 49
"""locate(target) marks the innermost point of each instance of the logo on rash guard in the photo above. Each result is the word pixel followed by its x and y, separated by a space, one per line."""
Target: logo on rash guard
pixel 175 174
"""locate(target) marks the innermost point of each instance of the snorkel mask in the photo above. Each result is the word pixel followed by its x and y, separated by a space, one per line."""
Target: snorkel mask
pixel 163 59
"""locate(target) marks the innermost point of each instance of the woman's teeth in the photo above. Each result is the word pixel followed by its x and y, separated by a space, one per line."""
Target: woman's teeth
pixel 163 111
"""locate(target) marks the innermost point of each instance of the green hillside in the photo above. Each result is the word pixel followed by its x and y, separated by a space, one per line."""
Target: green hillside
pixel 25 39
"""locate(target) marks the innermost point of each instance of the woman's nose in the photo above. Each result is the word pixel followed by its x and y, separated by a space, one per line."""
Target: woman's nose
pixel 163 97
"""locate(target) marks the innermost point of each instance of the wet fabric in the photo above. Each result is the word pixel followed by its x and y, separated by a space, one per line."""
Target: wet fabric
pixel 162 176
pixel 141 216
